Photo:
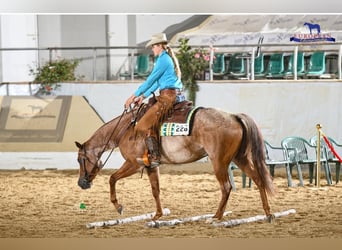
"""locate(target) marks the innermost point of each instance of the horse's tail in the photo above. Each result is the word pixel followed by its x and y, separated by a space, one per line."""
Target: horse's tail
pixel 252 149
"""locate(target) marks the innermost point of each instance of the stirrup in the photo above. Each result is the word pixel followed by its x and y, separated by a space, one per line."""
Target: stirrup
pixel 154 163
pixel 145 160
pixel 148 164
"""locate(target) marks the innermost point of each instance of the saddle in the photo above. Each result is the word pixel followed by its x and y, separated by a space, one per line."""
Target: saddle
pixel 179 114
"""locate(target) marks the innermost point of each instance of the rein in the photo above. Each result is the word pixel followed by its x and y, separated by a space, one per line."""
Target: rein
pixel 118 140
pixel 85 158
pixel 119 135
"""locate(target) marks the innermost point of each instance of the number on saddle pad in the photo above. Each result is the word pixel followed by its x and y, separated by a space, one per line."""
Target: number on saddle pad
pixel 173 129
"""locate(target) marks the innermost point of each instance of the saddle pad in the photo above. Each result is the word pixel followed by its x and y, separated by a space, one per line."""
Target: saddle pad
pixel 175 128
pixel 172 129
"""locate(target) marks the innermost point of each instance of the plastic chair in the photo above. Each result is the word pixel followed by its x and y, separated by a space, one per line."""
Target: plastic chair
pixel 248 56
pixel 332 158
pixel 219 65
pixel 277 156
pixel 316 65
pixel 236 66
pixel 259 68
pixel 232 167
pixel 289 73
pixel 275 68
pixel 142 67
pixel 330 155
pixel 305 153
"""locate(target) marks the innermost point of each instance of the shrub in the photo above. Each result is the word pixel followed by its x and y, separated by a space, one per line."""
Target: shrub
pixel 193 63
pixel 52 73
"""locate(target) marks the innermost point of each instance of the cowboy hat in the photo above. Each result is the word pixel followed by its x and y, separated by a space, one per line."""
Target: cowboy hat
pixel 157 38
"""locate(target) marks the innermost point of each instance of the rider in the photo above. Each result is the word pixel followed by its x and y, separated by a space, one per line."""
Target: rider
pixel 166 76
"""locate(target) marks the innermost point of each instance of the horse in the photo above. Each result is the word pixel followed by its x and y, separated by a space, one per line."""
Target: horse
pixel 222 137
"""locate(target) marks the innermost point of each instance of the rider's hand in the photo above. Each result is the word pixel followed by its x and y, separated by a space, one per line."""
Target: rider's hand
pixel 129 101
pixel 138 100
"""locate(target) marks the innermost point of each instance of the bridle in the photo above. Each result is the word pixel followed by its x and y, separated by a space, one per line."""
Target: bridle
pixel 84 158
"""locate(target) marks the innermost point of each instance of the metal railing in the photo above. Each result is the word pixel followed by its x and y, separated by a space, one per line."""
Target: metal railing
pixel 132 51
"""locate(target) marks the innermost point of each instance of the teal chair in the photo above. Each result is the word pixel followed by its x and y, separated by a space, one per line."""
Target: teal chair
pixel 259 67
pixel 289 73
pixel 316 65
pixel 275 68
pixel 143 65
pixel 276 156
pixel 332 158
pixel 248 56
pixel 301 152
pixel 232 167
pixel 329 155
pixel 236 66
pixel 219 65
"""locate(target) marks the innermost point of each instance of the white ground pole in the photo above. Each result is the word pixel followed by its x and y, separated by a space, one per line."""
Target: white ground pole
pixel 174 222
pixel 166 211
pixel 235 222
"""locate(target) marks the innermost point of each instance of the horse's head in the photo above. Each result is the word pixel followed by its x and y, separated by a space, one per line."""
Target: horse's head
pixel 90 165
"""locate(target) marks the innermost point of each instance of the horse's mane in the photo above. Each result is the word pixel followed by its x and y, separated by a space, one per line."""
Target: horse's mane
pixel 110 132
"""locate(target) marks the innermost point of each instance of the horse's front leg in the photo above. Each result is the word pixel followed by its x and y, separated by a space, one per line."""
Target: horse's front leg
pixel 127 169
pixel 153 175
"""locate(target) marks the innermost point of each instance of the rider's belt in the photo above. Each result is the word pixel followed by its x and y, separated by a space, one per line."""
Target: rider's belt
pixel 171 91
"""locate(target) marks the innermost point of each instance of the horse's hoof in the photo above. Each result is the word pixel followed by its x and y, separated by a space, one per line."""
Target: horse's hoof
pixel 156 217
pixel 271 218
pixel 120 209
pixel 212 220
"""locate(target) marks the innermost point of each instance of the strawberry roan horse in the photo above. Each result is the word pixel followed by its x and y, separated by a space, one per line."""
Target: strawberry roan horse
pixel 223 137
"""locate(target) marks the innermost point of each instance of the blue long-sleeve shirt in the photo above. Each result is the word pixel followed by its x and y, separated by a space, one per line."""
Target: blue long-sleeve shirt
pixel 163 76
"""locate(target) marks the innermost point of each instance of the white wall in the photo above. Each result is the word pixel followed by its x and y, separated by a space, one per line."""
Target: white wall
pixel 49 27
pixel 18 31
pixel 51 160
pixel 280 108
pixel 118 36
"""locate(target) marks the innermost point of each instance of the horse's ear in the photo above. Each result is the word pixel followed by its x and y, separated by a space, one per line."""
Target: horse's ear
pixel 79 145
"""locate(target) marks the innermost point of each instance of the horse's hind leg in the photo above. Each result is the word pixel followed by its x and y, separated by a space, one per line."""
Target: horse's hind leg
pixel 127 169
pixel 252 173
pixel 264 199
pixel 221 174
pixel 153 175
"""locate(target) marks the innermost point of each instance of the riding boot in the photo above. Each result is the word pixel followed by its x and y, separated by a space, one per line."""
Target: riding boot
pixel 153 149
pixel 153 153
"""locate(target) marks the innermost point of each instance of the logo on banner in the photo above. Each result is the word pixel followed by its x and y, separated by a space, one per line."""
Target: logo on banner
pixel 315 34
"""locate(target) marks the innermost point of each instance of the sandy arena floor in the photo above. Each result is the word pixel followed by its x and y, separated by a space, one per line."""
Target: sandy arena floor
pixel 46 204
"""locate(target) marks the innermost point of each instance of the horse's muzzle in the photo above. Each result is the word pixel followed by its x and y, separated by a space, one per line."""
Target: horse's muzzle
pixel 84 183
